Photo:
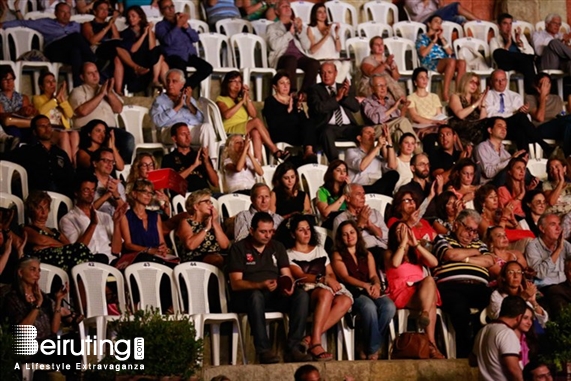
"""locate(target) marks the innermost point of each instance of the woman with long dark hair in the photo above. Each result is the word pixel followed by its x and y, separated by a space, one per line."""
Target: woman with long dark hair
pixel 94 135
pixel 447 208
pixel 330 198
pixel 514 190
pixel 462 181
pixel 406 208
pixel 287 197
pixel 535 205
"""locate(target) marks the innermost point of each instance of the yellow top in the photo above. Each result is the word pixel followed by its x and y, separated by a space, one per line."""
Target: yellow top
pixel 58 113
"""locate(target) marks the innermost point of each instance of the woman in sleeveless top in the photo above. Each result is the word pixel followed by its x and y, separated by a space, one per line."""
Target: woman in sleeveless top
pixel 287 197
pixel 469 110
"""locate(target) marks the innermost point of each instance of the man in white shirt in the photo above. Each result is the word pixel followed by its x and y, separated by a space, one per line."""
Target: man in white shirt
pixel 367 164
pixel 509 105
pixel 497 347
pixel 260 197
pixel 97 230
pixel 553 46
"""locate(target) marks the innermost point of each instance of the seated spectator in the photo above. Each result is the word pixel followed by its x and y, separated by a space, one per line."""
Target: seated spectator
pixel 177 106
pixel 143 164
pixel 257 9
pixel 94 101
pixel 287 43
pixel 216 10
pixel 561 293
pixel 260 197
pixel 63 41
pixel 93 136
pixel 498 243
pixel 370 222
pixel 447 209
pixel 240 167
pixel 369 163
pixel 330 198
pixel 408 286
pixel 48 244
pixel 355 266
pixel 110 193
pixel 201 233
pixel 47 165
pixel 325 41
pixel 448 153
pixel 11 249
pixel 239 115
pixel 286 118
pixel 424 107
pixel 468 110
pixel 437 54
pixel 194 166
pixel 56 107
pixel 254 266
pixel 331 106
pixel 552 45
pixel 420 10
pixel 511 51
pixel 463 276
pixel 177 39
pixel 309 262
pixel 513 282
pixel 83 7
pixel 547 255
pixel 10 13
pixel 462 179
pixel 535 205
pixel 407 209
pixel 557 188
pixel 287 198
pixel 377 63
pixel 151 6
pixel 15 108
pixel 99 231
pixel 407 145
pixel 50 5
pixel 545 110
pixel 536 371
pixel 514 190
pixel 140 54
pixel 379 109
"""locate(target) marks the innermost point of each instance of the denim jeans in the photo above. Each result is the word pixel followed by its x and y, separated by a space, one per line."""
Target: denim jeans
pixel 257 302
pixel 375 318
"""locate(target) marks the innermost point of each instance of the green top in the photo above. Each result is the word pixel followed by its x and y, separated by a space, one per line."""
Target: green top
pixel 324 195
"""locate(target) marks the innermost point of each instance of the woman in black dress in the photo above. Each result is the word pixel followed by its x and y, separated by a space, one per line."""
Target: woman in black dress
pixel 286 197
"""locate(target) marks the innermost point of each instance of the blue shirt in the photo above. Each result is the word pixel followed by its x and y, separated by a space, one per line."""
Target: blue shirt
pixel 51 29
pixel 164 115
pixel 176 41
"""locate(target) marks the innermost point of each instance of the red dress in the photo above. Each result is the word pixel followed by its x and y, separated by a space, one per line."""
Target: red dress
pixel 424 231
pixel 402 281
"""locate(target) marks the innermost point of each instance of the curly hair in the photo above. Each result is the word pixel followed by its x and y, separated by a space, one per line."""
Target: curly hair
pixel 397 202
pixel 287 230
pixel 481 194
pixel 35 198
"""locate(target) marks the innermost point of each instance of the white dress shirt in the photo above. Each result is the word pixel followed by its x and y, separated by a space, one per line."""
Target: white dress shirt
pixel 497 42
pixel 332 121
pixel 541 39
pixel 512 102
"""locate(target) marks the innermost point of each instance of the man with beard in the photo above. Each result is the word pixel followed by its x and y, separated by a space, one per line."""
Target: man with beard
pixel 443 158
pixel 421 186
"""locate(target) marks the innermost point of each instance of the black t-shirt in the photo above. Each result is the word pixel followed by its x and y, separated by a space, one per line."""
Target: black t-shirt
pixel 198 179
pixel 256 266
pixel 443 160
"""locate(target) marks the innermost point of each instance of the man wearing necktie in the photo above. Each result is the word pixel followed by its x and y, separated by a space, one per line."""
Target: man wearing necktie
pixel 331 106
pixel 508 104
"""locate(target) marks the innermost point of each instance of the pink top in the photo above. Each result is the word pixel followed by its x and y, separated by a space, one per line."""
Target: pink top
pixel 424 231
pixel 505 196
pixel 402 281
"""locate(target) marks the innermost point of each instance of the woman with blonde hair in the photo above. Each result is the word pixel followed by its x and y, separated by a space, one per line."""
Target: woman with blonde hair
pixel 240 167
pixel 379 64
pixel 201 233
pixel 142 165
pixel 468 109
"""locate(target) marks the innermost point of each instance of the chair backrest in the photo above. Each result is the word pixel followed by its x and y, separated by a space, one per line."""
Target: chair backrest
pixel 35 15
pixel 212 115
pixel 178 203
pixel 311 177
pixel 322 234
pixel 199 26
pixel 121 24
pixel 233 203
pixel 527 28
pixel 8 168
pixel 480 29
pixel 269 171
pixel 398 47
pixel 302 9
pixel 124 174
pixel 48 275
pixel 371 29
pixel 8 200
pixel 565 28
pixel 379 202
pixel 346 31
pixel 409 29
pixel 538 168
pixel 195 276
pixel 132 117
pixel 185 6
pixel 339 10
pixel 244 47
pixel 93 276
pixel 230 27
pixel 379 11
pixel 474 43
pixel 148 277
pixel 360 48
pixel 57 200
pixel 82 18
pixel 448 27
pixel 214 46
pixel 260 26
pixel 23 40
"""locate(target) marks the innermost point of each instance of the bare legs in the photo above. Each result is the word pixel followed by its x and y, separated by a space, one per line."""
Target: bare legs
pixel 329 309
pixel 160 71
pixel 449 66
pixel 466 13
pixel 259 134
pixel 67 141
pixel 425 300
pixel 119 75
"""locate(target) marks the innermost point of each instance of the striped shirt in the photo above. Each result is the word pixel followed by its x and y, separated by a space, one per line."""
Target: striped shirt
pixel 453 271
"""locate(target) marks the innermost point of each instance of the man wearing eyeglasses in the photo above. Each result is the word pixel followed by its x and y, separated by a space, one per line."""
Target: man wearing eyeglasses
pixel 462 277
pixel 110 193
pixel 552 46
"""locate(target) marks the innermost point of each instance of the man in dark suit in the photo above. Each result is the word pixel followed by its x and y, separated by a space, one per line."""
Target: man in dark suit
pixel 331 106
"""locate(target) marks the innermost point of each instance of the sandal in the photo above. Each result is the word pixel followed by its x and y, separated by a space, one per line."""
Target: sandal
pixel 281 155
pixel 423 320
pixel 322 356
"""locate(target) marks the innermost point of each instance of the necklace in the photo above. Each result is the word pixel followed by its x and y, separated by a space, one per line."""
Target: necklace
pixel 30 297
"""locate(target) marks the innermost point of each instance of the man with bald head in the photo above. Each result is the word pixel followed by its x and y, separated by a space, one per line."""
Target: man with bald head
pixel 331 106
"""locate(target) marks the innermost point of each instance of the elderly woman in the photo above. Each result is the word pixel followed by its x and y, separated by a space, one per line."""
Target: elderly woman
pixel 355 267
pixel 408 285
pixel 14 106
pixel 436 54
pixel 239 115
pixel 94 135
pixel 379 63
pixel 143 164
pixel 468 109
pixel 287 198
pixel 240 167
pixel 309 262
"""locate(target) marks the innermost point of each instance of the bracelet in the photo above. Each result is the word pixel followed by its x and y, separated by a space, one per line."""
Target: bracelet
pixel 417 244
pixel 389 146
pixel 446 46
pixel 37 307
pixel 473 106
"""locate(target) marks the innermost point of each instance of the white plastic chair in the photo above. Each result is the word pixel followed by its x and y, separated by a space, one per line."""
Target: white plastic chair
pixel 322 233
pixel 215 52
pixel 199 26
pixel 371 29
pixel 479 29
pixel 448 27
pixel 527 28
pixel 269 171
pixel 234 203
pixel 379 11
pixel 346 31
pixel 93 277
pixel 212 115
pixel 378 202
pixel 302 9
pixel 57 200
pixel 538 168
pixel 132 117
pixel 185 6
pixel 312 174
pixel 260 26
pixel 409 29
pixel 360 48
pixel 178 203
pixel 36 15
pixel 8 169
pixel 193 277
pixel 147 277
pixel 557 75
pixel 565 27
pixel 477 45
pixel 124 174
pixel 48 275
pixel 398 47
pixel 6 201
pixel 337 12
pixel 230 27
pixel 80 19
